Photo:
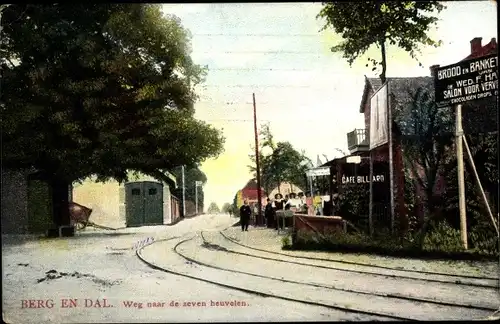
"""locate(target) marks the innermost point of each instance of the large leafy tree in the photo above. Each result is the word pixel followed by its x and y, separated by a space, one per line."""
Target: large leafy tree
pixel 362 24
pixel 283 163
pixel 98 89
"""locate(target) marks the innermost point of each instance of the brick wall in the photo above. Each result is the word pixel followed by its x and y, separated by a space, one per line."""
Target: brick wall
pixel 14 202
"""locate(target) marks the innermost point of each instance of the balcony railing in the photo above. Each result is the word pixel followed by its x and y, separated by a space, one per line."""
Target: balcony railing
pixel 357 140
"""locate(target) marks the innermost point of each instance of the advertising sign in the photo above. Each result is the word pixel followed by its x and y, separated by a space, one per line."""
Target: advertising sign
pixel 379 126
pixel 466 81
pixel 318 172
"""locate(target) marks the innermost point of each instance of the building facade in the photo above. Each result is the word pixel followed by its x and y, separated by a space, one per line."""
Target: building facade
pixel 142 200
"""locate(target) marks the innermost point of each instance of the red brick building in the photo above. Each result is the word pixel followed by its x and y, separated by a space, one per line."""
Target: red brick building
pixel 400 89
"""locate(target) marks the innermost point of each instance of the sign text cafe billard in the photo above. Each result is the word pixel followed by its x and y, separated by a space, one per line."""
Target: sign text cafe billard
pixel 466 81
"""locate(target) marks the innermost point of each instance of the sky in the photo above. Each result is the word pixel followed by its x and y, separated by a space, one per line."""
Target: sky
pixel 309 95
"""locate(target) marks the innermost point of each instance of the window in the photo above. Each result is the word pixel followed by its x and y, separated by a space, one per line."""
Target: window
pixel 136 192
pixel 152 191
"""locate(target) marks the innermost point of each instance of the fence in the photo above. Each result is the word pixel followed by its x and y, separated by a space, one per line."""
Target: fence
pixel 175 208
pixel 381 216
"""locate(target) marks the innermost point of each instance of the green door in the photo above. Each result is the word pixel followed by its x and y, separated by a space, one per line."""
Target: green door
pixel 153 203
pixel 134 203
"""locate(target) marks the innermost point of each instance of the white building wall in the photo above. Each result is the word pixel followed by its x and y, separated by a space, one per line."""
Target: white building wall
pixel 102 198
pixel 107 200
pixel 167 205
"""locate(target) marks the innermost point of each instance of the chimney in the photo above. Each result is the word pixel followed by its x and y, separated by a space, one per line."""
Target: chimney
pixel 493 42
pixel 475 45
pixel 433 69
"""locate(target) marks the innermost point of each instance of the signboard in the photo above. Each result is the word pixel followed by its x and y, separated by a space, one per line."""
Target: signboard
pixel 379 126
pixel 318 172
pixel 239 198
pixel 466 81
pixel 362 179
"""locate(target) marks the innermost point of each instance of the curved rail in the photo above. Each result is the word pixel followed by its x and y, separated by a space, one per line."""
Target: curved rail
pixel 401 297
pixel 368 265
pixel 256 292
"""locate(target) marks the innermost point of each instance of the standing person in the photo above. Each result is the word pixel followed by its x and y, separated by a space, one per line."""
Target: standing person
pixel 269 213
pixel 278 206
pixel 318 204
pixel 245 213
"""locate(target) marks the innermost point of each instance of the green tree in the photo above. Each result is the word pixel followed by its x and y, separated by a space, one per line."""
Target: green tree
pixel 283 164
pixel 98 89
pixel 482 233
pixel 191 175
pixel 213 208
pixel 427 143
pixel 227 208
pixel 362 24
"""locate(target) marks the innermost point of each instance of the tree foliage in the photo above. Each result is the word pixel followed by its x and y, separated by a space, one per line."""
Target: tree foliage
pixel 427 149
pixel 362 24
pixel 99 89
pixel 213 208
pixel 227 208
pixel 283 164
pixel 191 175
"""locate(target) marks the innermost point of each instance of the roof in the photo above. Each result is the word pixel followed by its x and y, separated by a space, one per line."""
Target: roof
pixel 487 49
pixel 400 87
pixel 249 191
pixel 370 84
pixel 251 184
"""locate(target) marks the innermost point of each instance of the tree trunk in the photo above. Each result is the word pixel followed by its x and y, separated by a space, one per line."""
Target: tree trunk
pixel 384 62
pixel 60 201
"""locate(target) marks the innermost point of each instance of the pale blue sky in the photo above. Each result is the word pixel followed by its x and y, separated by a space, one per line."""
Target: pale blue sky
pixel 311 96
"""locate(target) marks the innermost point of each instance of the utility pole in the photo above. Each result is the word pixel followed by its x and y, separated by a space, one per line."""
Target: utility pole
pixel 257 162
pixel 196 195
pixel 196 185
pixel 391 158
pixel 183 193
pixel 460 168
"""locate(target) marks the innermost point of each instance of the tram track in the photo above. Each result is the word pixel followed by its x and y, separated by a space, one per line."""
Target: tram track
pixel 374 315
pixel 307 285
pixel 454 278
pixel 386 295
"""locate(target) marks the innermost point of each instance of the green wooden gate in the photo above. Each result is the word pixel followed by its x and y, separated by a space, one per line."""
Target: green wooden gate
pixel 144 203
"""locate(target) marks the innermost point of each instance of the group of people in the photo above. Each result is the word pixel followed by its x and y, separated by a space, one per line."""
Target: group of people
pixel 270 210
pixel 320 206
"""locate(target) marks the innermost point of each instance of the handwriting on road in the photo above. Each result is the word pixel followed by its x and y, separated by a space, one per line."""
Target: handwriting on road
pixel 143 243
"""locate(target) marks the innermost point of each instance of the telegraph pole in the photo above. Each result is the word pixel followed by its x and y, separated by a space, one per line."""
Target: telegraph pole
pixel 259 198
pixel 196 195
pixel 183 193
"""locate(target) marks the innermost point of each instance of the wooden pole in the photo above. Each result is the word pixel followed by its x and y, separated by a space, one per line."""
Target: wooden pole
pixel 370 204
pixel 391 157
pixel 483 194
pixel 257 162
pixel 460 169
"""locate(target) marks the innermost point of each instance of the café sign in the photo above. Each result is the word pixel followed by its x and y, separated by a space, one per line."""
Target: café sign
pixel 362 179
pixel 466 81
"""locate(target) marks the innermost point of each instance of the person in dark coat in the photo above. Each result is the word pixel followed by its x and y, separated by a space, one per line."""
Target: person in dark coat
pixel 278 205
pixel 245 213
pixel 269 213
